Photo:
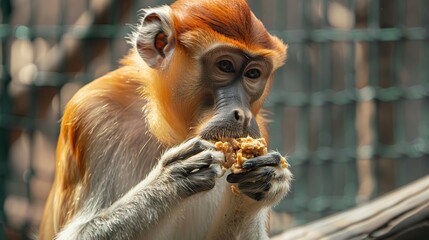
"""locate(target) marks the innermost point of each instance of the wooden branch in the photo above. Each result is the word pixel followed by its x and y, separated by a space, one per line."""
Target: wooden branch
pixel 402 214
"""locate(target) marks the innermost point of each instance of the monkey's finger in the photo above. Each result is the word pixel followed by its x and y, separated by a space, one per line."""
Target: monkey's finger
pixel 270 159
pixel 217 168
pixel 218 157
pixel 202 180
pixel 258 196
pixel 217 162
pixel 260 186
pixel 186 150
pixel 261 174
pixel 203 160
pixel 192 147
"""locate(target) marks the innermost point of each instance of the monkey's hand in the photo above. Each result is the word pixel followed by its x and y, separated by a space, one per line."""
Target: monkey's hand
pixel 264 179
pixel 192 166
pixel 262 184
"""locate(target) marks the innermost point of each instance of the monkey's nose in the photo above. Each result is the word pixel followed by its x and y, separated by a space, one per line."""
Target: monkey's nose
pixel 242 117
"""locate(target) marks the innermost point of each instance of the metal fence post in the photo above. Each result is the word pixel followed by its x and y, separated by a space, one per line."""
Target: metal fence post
pixel 6 12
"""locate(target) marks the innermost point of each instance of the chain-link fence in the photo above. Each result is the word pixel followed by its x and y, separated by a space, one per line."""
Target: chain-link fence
pixel 350 108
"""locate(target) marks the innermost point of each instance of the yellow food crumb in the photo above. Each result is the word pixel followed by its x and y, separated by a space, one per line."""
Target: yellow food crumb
pixel 283 163
pixel 235 190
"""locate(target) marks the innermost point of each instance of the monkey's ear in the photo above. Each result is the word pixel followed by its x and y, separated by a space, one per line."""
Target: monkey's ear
pixel 155 37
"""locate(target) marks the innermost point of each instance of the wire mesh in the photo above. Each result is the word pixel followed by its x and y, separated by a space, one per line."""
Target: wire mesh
pixel 350 108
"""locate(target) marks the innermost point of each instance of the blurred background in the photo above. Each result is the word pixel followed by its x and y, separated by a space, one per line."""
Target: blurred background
pixel 350 108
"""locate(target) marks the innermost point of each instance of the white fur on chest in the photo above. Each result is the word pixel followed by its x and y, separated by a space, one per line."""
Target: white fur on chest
pixel 199 209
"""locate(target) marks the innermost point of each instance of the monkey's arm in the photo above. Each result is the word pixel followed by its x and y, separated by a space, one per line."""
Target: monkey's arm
pixel 133 213
pixel 182 171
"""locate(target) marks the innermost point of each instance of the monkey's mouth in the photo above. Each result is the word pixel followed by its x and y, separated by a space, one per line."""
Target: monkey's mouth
pixel 213 131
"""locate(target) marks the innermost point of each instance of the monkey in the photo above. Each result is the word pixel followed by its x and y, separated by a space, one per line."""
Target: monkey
pixel 135 156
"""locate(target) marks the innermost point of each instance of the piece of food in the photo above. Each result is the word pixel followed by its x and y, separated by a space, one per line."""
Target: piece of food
pixel 238 150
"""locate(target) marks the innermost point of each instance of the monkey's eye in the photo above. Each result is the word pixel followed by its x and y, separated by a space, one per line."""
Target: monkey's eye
pixel 226 66
pixel 253 73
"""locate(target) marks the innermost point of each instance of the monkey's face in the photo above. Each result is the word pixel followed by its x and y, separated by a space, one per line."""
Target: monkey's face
pixel 213 63
pixel 234 80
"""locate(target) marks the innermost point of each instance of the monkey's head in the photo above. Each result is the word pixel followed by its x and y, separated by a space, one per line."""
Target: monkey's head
pixel 210 65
